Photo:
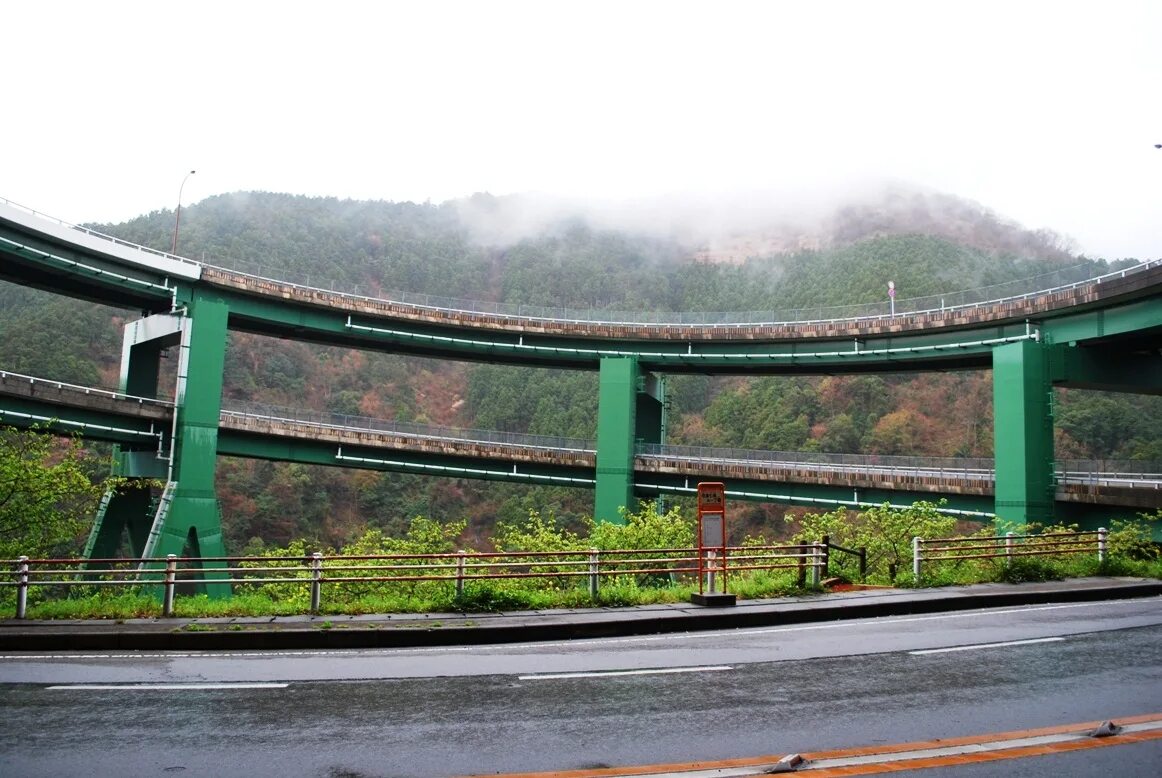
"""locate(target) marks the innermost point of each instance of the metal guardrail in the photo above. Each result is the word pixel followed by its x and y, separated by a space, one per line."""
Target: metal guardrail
pixel 1122 472
pixel 405 428
pixel 456 569
pixel 1127 473
pixel 95 234
pixel 1008 547
pixel 963 467
pixel 6 374
pixel 1043 284
pixel 964 299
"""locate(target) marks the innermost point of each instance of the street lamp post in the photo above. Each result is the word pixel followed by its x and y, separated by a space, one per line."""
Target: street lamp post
pixel 177 219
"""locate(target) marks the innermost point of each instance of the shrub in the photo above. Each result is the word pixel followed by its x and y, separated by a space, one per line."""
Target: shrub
pixel 885 532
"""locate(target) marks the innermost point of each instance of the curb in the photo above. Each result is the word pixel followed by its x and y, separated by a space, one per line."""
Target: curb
pixel 32 636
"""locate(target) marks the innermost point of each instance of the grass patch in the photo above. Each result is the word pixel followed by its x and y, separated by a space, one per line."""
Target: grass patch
pixel 97 606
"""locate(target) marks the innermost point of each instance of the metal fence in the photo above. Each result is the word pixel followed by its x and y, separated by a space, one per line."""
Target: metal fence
pixel 244 409
pixel 1013 291
pixel 1008 547
pixel 314 573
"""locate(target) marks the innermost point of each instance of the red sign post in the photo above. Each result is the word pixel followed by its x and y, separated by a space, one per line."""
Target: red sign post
pixel 711 545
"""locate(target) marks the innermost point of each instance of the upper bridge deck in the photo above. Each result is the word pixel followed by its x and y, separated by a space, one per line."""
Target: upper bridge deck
pixel 921 335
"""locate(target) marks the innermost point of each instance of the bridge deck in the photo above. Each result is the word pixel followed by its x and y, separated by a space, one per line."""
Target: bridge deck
pixel 320 442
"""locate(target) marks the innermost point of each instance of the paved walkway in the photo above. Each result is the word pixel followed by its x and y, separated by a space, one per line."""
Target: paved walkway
pixel 429 629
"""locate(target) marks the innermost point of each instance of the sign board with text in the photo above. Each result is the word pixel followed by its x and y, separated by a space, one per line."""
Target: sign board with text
pixel 711 533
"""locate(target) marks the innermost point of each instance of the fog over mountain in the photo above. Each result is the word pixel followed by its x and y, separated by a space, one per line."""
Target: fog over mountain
pixel 731 227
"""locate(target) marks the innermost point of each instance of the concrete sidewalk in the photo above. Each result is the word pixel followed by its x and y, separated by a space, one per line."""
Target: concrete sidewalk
pixel 435 629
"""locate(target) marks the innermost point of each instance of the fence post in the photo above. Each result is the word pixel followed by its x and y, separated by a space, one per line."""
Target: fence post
pixel 826 543
pixel 1103 540
pixel 22 587
pixel 460 574
pixel 817 562
pixel 594 571
pixel 916 544
pixel 1008 548
pixel 316 581
pixel 801 562
pixel 171 574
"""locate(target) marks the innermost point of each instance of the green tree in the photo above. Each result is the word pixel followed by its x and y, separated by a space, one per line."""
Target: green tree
pixel 885 532
pixel 47 496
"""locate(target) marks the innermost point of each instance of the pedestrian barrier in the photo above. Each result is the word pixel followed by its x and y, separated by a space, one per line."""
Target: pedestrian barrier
pixel 560 568
pixel 1008 547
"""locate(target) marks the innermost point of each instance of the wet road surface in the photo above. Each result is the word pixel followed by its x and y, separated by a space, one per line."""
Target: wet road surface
pixel 484 710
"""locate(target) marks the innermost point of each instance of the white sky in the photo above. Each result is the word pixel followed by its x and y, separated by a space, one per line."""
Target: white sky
pixel 1045 112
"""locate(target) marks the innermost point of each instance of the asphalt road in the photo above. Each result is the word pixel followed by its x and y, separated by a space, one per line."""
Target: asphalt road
pixel 490 709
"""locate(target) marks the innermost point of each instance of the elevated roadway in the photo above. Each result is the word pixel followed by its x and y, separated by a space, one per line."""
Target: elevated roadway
pixel 309 437
pixel 63 258
pixel 1101 333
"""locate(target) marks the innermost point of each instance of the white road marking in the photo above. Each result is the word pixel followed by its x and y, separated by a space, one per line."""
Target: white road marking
pixel 977 646
pixel 609 673
pixel 713 634
pixel 163 687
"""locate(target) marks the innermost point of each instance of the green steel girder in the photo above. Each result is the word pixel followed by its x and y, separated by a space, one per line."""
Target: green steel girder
pixel 63 270
pixel 639 485
pixel 1138 322
pixel 132 431
pixel 316 452
pixel 1090 516
pixel 1103 368
pixel 128 514
pixel 897 353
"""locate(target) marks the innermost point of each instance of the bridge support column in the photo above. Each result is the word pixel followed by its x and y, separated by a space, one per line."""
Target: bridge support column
pixel 1023 433
pixel 120 511
pixel 630 408
pixel 185 519
pixel 193 524
pixel 132 509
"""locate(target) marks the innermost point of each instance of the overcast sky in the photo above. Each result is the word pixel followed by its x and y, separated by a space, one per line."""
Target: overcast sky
pixel 1046 113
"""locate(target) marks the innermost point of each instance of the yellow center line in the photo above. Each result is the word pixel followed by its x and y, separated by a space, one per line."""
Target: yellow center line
pixel 872 760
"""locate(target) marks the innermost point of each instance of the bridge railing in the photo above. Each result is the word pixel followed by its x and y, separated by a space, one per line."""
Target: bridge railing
pixel 101 235
pixel 8 375
pixel 285 576
pixel 870 464
pixel 1131 473
pixel 1007 547
pixel 997 294
pixel 406 428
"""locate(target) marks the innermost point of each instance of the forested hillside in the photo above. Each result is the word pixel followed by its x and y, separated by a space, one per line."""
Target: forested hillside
pixel 930 247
